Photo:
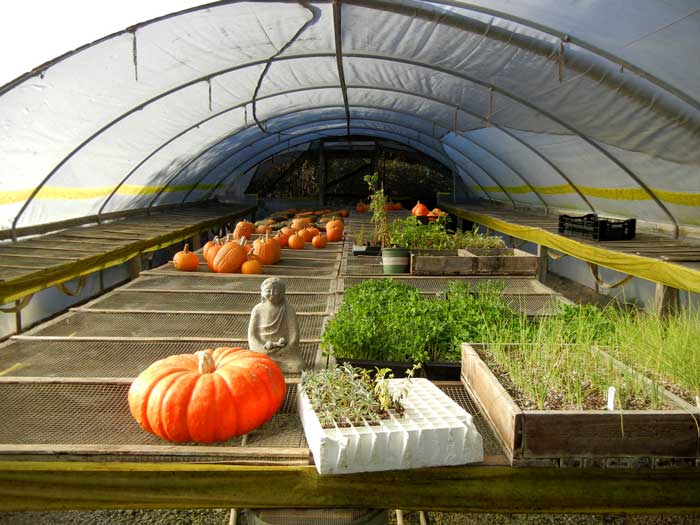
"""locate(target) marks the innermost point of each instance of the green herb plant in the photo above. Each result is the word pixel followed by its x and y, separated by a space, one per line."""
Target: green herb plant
pixel 342 396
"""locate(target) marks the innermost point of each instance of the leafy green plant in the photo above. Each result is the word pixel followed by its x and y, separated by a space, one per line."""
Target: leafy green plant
pixel 412 234
pixel 475 240
pixel 386 320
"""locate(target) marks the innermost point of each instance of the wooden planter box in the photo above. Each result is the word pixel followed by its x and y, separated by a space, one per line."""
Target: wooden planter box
pixel 464 262
pixel 621 438
pixel 505 261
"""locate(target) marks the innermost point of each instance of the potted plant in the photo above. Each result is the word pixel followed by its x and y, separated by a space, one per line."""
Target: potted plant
pixel 394 259
pixel 358 422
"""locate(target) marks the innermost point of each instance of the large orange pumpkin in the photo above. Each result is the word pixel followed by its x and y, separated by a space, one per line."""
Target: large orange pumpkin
pixel 208 396
pixel 243 229
pixel 185 260
pixel 334 230
pixel 230 257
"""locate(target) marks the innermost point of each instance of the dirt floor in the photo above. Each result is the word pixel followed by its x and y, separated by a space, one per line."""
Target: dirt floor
pixel 566 287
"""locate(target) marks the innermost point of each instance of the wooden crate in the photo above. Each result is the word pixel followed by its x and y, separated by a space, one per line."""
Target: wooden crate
pixel 508 261
pixel 582 438
pixel 464 262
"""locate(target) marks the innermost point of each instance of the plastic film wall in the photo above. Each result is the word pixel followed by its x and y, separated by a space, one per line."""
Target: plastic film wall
pixel 556 104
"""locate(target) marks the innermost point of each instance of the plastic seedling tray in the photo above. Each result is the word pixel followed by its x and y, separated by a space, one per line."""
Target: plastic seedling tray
pixel 434 431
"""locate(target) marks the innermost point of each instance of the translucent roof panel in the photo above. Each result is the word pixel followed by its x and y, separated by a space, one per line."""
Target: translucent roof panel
pixel 588 106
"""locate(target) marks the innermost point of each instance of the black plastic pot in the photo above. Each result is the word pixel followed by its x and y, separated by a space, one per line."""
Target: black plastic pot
pixel 442 371
pixel 373 251
pixel 399 369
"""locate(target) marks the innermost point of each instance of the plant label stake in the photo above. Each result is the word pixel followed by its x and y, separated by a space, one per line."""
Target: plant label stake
pixel 611 398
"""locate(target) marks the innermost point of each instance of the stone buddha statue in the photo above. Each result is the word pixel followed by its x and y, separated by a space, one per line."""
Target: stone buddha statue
pixel 273 328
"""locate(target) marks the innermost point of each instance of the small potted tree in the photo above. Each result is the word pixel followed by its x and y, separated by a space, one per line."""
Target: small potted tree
pixel 394 259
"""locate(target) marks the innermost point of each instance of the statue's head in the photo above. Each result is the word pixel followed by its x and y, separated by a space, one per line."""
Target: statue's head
pixel 273 290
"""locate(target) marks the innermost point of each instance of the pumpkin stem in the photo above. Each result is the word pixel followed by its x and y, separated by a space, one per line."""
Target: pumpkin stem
pixel 187 248
pixel 242 241
pixel 205 362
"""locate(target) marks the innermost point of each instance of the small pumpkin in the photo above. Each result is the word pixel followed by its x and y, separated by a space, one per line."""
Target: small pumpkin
pixel 263 229
pixel 186 261
pixel 334 230
pixel 267 250
pixel 361 207
pixel 306 234
pixel 230 257
pixel 210 249
pixel 398 206
pixel 243 229
pixel 288 231
pixel 420 209
pixel 282 240
pixel 252 266
pixel 319 241
pixel 296 242
pixel 300 223
pixel 208 396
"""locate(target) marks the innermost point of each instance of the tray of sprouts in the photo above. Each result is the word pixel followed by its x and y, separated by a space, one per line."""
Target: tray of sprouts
pixel 361 421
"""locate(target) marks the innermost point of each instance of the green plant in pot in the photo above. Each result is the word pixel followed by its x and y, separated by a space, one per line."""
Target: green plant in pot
pixel 394 259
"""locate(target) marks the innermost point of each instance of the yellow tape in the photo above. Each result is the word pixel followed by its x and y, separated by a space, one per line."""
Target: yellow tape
pixel 670 274
pixel 618 194
pixel 65 193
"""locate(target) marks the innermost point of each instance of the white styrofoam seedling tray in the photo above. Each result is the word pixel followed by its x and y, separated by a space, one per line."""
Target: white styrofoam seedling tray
pixel 434 431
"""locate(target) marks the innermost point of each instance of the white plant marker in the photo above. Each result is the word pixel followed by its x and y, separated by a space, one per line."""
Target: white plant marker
pixel 611 398
pixel 697 401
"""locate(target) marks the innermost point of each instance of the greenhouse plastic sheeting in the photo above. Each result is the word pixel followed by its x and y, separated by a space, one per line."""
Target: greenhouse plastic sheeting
pixel 588 106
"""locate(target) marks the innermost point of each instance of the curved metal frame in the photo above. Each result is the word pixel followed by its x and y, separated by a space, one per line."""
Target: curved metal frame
pixel 368 56
pixel 237 150
pixel 208 171
pixel 470 6
pixel 486 172
pixel 437 154
pixel 303 136
pixel 433 99
pixel 481 167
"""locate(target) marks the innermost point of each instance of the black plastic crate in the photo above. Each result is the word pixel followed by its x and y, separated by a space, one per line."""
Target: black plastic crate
pixel 597 228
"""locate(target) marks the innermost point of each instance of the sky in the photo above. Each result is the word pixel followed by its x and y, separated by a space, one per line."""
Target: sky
pixel 33 32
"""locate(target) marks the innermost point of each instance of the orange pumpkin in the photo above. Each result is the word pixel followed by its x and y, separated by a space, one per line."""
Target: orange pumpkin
pixel 398 206
pixel 319 241
pixel 314 231
pixel 252 266
pixel 267 250
pixel 300 223
pixel 334 230
pixel 230 257
pixel 420 210
pixel 263 229
pixel 288 231
pixel 208 396
pixel 211 248
pixel 186 261
pixel 243 229
pixel 306 234
pixel 282 240
pixel 296 242
pixel 361 207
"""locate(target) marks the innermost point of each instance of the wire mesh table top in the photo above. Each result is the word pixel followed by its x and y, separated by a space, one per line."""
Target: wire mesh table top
pixel 157 280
